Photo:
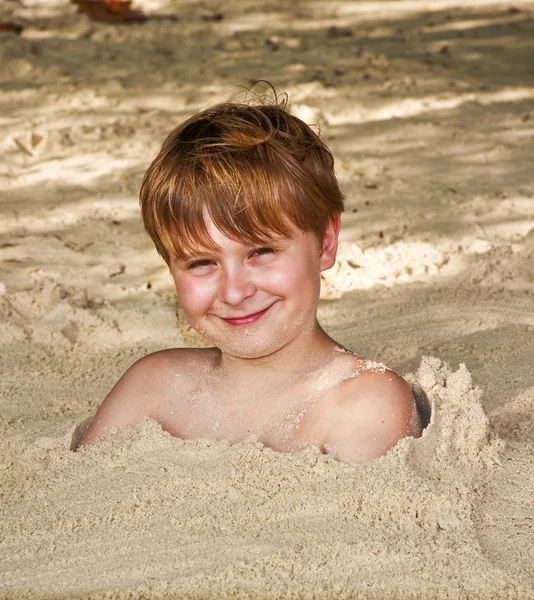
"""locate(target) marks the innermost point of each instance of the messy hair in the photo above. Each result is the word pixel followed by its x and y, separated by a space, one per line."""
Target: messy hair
pixel 255 168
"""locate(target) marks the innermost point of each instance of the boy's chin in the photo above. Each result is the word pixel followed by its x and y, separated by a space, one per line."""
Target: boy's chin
pixel 250 352
pixel 246 347
pixel 257 341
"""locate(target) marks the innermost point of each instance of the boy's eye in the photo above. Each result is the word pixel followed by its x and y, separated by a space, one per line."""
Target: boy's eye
pixel 263 251
pixel 196 264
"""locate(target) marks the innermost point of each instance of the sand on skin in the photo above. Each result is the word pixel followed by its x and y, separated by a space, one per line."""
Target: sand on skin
pixel 427 112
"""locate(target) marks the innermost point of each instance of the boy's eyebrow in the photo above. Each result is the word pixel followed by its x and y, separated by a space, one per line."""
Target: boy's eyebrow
pixel 188 255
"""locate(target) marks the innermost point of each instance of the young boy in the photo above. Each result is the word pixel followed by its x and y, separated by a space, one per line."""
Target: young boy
pixel 243 205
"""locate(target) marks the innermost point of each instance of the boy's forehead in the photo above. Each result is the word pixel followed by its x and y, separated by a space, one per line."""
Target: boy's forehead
pixel 223 226
pixel 211 231
pixel 221 241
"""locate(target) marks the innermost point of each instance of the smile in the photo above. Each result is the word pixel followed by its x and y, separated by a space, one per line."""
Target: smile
pixel 247 319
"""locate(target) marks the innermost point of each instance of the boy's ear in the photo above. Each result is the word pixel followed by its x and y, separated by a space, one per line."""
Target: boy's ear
pixel 329 246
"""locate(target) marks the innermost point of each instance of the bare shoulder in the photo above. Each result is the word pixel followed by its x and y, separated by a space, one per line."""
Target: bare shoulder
pixel 373 411
pixel 147 381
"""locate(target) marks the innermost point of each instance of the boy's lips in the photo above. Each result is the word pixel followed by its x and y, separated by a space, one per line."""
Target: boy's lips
pixel 247 319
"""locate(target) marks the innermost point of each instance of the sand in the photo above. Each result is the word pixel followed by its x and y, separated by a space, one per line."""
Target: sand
pixel 429 110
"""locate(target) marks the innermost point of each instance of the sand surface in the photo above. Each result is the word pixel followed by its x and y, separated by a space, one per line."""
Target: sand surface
pixel 429 110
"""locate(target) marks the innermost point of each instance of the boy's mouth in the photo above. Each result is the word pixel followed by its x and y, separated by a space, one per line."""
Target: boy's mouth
pixel 247 319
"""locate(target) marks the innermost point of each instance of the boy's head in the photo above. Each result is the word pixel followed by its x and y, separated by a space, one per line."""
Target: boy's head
pixel 256 170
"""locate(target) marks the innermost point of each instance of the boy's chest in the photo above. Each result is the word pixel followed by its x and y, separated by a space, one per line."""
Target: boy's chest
pixel 287 421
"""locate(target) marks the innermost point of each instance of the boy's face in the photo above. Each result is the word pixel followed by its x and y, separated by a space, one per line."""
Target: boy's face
pixel 250 301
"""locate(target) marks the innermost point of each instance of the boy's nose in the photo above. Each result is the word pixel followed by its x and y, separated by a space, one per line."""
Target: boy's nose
pixel 235 286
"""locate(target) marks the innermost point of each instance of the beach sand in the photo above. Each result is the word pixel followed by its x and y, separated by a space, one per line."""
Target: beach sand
pixel 428 108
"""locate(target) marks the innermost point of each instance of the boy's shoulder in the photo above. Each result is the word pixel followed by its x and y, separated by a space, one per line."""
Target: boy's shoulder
pixel 368 378
pixel 158 377
pixel 176 360
pixel 154 369
pixel 373 409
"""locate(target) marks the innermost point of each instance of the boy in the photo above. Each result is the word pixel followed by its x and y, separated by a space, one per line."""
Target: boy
pixel 243 205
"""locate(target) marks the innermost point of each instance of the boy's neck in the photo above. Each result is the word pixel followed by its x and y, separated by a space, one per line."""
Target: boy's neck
pixel 298 358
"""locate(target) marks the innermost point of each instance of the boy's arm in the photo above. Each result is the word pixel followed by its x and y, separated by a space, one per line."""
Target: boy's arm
pixel 374 412
pixel 127 403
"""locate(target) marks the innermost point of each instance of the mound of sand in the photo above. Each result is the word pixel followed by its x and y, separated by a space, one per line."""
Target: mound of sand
pixel 152 514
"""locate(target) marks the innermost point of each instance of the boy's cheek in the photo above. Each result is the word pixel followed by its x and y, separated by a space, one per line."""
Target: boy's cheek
pixel 194 298
pixel 291 273
pixel 185 290
pixel 185 284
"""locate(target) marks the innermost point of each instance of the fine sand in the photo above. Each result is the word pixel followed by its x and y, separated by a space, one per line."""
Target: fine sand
pixel 428 108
